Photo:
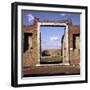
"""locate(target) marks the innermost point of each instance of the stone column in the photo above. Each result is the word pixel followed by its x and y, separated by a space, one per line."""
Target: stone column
pixel 66 51
pixel 38 44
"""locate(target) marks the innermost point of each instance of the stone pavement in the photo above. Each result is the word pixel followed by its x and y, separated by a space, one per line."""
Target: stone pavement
pixel 52 70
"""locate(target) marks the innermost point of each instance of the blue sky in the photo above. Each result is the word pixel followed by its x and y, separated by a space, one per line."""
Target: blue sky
pixel 28 16
pixel 50 36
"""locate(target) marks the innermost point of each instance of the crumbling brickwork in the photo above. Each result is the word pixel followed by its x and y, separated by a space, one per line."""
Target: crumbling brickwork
pixel 74 52
pixel 30 53
pixel 73 44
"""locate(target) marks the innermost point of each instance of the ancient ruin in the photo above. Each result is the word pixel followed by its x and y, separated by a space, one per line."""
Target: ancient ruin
pixel 70 50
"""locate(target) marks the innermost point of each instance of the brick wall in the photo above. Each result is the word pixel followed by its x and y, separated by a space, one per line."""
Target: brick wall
pixel 30 56
pixel 74 54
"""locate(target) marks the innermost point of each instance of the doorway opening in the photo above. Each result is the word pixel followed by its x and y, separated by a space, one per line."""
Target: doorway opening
pixel 50 44
pixel 50 35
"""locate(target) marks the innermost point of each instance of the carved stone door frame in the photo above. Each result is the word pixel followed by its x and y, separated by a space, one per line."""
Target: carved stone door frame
pixel 66 61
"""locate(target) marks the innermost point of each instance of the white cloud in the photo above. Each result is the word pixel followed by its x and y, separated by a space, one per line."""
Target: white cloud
pixel 54 38
pixel 30 17
pixel 63 14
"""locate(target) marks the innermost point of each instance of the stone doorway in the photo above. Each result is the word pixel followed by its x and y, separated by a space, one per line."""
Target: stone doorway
pixel 66 53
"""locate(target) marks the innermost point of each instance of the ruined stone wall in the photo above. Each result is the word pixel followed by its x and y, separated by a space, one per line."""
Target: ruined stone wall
pixel 30 55
pixel 74 53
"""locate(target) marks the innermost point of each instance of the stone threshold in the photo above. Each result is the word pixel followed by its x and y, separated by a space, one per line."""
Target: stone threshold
pixel 61 64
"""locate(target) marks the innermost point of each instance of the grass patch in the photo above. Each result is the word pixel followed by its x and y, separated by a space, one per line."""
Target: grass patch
pixel 51 59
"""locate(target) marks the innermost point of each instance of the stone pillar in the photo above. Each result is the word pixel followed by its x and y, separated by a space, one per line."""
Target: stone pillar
pixel 66 51
pixel 38 44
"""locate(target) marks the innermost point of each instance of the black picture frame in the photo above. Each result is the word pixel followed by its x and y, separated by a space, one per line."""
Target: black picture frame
pixel 14 43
